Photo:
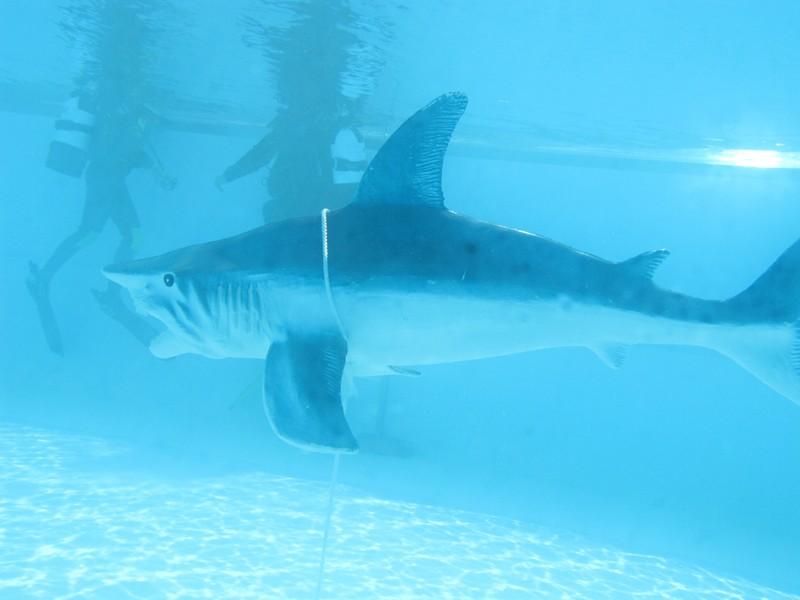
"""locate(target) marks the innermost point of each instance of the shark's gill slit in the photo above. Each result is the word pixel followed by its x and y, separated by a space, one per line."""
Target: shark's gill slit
pixel 255 309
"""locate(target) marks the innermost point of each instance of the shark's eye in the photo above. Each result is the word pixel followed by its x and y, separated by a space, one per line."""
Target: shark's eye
pixel 169 279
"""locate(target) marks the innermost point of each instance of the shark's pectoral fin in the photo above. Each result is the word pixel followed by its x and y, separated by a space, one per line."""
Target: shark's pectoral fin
pixel 646 263
pixel 302 392
pixel 613 355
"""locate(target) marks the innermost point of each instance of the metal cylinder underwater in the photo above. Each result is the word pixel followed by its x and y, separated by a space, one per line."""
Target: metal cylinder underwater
pixel 68 152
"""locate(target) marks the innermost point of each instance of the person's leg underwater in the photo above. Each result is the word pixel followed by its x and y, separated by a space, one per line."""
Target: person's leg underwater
pixel 95 215
pixel 123 214
pixel 39 279
pixel 111 301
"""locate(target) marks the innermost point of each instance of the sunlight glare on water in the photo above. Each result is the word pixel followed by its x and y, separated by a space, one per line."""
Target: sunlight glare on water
pixel 757 159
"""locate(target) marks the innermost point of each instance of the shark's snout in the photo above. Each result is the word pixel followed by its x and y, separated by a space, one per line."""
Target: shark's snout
pixel 122 274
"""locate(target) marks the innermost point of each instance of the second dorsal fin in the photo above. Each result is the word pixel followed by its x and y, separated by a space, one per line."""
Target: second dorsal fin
pixel 408 167
pixel 646 263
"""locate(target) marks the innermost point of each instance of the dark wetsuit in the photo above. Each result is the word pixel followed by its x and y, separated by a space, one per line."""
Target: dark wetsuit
pixel 116 151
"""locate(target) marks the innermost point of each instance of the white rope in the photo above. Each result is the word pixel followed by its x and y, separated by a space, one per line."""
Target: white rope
pixel 329 513
pixel 326 275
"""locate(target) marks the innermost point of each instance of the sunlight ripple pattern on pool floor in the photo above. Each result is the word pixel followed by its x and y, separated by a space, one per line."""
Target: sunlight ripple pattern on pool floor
pixel 70 528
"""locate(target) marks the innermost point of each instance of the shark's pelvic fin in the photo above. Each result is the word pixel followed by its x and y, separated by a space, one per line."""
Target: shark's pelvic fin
pixel 408 167
pixel 302 392
pixel 405 371
pixel 613 355
pixel 646 263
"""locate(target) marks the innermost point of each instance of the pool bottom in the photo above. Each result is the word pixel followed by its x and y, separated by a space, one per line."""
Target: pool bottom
pixel 73 525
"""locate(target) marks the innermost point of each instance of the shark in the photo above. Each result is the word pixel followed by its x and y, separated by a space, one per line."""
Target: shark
pixel 395 280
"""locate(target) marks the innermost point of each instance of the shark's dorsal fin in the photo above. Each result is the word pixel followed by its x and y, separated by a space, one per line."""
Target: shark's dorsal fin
pixel 646 263
pixel 408 167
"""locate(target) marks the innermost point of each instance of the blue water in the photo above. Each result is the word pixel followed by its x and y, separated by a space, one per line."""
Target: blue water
pixel 607 126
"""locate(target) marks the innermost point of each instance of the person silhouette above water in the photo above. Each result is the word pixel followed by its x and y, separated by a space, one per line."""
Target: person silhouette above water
pixel 314 62
pixel 316 160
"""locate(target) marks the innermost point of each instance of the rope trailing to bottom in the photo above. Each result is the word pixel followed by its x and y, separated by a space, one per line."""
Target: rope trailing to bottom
pixel 326 275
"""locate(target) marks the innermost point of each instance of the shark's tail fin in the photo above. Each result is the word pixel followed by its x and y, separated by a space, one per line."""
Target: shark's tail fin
pixel 775 296
pixel 769 313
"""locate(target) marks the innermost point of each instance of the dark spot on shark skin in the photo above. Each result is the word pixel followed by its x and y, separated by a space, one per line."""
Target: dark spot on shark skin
pixel 521 268
pixel 635 295
pixel 775 313
pixel 471 248
pixel 706 315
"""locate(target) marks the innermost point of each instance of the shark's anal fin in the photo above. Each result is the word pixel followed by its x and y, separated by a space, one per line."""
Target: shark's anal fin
pixel 405 371
pixel 646 263
pixel 613 355
pixel 408 167
pixel 302 392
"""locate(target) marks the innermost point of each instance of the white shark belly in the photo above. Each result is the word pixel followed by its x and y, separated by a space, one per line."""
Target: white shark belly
pixel 385 330
pixel 421 329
